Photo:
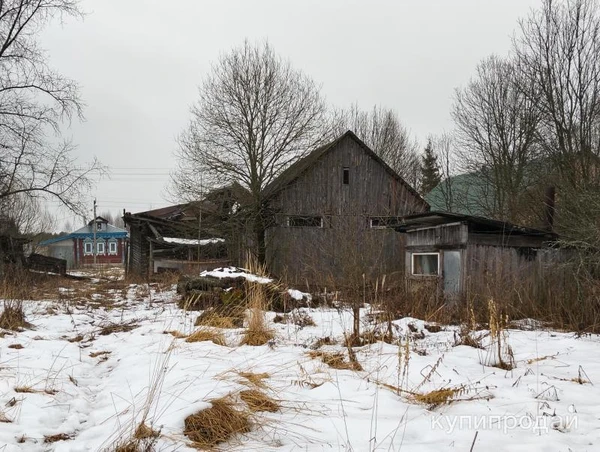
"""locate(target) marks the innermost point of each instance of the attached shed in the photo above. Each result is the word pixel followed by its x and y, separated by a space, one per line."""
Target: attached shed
pixel 460 253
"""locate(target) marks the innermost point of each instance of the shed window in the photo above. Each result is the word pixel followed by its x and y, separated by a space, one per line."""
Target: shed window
pixel 305 221
pixel 425 264
pixel 112 247
pixel 346 176
pixel 88 248
pixel 384 222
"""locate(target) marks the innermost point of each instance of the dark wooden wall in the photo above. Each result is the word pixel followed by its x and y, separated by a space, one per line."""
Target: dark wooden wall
pixel 139 251
pixel 346 246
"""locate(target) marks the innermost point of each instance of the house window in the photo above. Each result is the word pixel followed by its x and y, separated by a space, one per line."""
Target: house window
pixel 100 247
pixel 112 247
pixel 88 248
pixel 305 221
pixel 383 222
pixel 346 176
pixel 425 264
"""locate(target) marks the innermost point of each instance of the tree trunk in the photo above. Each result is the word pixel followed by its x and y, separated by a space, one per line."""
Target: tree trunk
pixel 259 235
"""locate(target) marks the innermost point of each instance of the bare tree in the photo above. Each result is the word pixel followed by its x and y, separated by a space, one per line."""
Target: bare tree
pixel 557 52
pixel 443 149
pixel 34 102
pixel 497 123
pixel 382 131
pixel 255 116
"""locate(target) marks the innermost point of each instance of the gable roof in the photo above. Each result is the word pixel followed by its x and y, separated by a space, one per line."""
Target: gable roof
pixel 294 171
pixel 111 232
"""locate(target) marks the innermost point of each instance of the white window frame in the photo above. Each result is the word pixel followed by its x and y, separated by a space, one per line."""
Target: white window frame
pixel 113 244
pixel 412 264
pixel 85 248
pixel 100 247
pixel 289 217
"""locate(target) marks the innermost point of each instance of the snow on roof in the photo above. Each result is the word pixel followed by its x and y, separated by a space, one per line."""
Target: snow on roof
pixel 235 272
pixel 201 242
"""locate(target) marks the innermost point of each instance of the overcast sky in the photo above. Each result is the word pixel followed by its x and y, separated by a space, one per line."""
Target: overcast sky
pixel 139 63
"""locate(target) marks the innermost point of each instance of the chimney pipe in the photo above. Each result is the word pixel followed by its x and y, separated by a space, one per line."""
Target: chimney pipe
pixel 549 207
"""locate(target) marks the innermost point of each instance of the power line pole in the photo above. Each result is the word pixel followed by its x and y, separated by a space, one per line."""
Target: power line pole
pixel 94 227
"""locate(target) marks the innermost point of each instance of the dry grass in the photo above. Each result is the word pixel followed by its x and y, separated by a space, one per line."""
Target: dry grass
pixel 13 317
pixel 259 401
pixel 217 424
pixel 16 346
pixel 255 379
pixel 438 397
pixel 327 340
pixel 335 360
pixel 176 334
pixel 30 390
pixel 257 332
pixel 102 353
pixel 113 328
pixel 55 438
pixel 145 432
pixel 221 318
pixel 205 334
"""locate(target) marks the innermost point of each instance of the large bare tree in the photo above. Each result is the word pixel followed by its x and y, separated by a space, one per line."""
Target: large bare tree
pixel 381 130
pixel 497 123
pixel 557 51
pixel 255 116
pixel 35 101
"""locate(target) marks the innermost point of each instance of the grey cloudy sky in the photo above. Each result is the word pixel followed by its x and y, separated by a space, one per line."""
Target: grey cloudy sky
pixel 139 63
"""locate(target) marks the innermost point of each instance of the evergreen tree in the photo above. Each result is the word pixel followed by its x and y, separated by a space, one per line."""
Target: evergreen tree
pixel 430 170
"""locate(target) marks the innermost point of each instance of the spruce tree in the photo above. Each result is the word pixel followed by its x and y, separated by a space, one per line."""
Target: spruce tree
pixel 430 170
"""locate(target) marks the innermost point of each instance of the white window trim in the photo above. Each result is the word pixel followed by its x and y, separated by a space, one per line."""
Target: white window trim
pixel 287 221
pixel 85 248
pixel 110 246
pixel 100 249
pixel 412 263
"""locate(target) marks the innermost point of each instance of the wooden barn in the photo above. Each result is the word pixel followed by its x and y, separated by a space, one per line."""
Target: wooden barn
pixel 460 253
pixel 332 216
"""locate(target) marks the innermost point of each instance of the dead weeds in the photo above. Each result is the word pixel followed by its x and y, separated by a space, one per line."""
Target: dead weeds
pixel 335 360
pixel 259 401
pixel 58 437
pixel 217 424
pixel 205 334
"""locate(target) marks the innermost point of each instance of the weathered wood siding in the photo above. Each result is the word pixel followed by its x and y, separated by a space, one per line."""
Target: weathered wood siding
pixel 139 251
pixel 346 245
pixel 429 239
pixel 491 271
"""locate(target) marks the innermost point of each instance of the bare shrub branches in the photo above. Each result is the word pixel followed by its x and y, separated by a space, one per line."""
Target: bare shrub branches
pixel 34 102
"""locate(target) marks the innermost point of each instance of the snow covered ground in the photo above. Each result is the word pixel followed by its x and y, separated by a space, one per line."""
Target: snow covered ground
pixel 64 376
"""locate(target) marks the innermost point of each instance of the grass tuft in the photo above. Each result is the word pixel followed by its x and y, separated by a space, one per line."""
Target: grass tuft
pixel 257 332
pixel 437 397
pixel 13 317
pixel 335 360
pixel 216 424
pixel 259 401
pixel 205 334
pixel 221 318
pixel 255 379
